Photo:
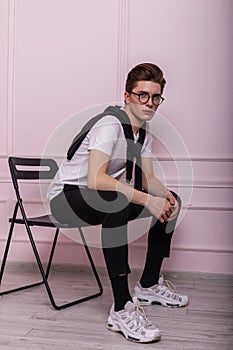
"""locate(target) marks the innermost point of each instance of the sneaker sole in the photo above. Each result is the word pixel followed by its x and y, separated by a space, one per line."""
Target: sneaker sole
pixel 144 302
pixel 116 328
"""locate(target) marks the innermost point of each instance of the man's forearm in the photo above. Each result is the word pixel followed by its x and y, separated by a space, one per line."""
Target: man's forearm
pixel 105 182
pixel 155 187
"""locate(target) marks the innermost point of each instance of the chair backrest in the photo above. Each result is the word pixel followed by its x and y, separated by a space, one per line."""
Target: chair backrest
pixel 31 169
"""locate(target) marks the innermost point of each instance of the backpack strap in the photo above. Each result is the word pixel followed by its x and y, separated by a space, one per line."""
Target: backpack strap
pixel 133 149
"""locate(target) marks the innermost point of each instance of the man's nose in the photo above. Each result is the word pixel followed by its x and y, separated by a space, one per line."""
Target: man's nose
pixel 150 102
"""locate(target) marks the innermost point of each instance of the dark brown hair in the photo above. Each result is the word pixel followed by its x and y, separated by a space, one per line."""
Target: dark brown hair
pixel 144 71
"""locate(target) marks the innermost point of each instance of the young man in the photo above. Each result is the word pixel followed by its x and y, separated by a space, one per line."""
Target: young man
pixel 91 182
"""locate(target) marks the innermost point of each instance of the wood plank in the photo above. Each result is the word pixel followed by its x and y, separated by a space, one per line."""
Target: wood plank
pixel 27 320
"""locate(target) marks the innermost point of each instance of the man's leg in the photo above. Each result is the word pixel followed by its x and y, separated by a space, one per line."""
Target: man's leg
pixel 152 288
pixel 109 208
pixel 115 246
pixel 159 242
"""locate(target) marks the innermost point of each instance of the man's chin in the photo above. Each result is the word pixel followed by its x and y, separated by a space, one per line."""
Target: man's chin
pixel 147 115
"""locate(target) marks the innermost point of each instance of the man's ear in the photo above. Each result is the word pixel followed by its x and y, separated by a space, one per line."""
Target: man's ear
pixel 126 97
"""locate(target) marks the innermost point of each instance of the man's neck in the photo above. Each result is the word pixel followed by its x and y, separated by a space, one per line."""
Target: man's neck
pixel 135 123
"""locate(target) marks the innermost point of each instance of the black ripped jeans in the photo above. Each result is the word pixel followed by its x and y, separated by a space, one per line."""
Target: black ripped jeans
pixel 111 209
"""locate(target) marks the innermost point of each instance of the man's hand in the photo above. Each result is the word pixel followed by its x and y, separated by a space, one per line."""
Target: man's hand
pixel 164 209
pixel 159 207
pixel 175 205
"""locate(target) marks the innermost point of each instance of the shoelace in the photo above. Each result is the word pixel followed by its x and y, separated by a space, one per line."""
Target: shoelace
pixel 141 318
pixel 168 285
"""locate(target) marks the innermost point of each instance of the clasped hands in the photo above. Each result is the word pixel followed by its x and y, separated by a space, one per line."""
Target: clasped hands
pixel 164 209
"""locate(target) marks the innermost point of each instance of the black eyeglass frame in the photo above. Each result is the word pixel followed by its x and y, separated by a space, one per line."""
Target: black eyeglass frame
pixel 148 97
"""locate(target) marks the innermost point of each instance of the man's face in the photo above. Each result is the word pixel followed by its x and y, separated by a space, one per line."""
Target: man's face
pixel 142 111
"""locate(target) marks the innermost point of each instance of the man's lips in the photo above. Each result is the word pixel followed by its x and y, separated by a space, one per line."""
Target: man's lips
pixel 147 111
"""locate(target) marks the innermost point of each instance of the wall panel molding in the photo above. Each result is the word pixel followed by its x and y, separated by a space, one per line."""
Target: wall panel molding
pixel 193 248
pixel 123 17
pixel 3 216
pixel 69 242
pixel 191 207
pixel 197 158
pixel 11 74
pixel 181 259
pixel 4 73
pixel 171 183
pixel 210 208
pixel 225 159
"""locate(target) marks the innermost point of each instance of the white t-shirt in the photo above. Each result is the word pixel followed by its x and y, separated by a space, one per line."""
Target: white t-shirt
pixel 107 135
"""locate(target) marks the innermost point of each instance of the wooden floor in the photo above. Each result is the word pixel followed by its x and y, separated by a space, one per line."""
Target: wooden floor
pixel 27 320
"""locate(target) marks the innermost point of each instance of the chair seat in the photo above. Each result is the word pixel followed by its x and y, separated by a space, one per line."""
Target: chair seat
pixel 44 221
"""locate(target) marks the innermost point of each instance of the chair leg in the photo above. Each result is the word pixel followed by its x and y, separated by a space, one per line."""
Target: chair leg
pixel 92 296
pixel 8 243
pixel 78 301
pixel 39 263
pixel 5 259
pixel 52 253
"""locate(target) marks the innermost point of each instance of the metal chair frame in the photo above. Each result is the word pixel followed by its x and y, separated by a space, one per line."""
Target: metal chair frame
pixel 49 168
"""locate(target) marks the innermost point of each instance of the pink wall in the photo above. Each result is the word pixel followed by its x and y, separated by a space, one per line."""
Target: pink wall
pixel 58 57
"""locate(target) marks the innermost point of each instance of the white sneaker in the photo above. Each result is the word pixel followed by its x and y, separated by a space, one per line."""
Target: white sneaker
pixel 162 293
pixel 133 323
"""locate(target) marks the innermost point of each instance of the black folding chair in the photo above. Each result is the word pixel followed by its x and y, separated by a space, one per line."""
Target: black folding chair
pixel 36 169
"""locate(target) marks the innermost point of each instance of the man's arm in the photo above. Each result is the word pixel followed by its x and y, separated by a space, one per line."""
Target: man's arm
pixel 154 186
pixel 98 179
pixel 150 183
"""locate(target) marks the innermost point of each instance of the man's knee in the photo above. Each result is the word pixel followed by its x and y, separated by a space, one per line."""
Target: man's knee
pixel 177 197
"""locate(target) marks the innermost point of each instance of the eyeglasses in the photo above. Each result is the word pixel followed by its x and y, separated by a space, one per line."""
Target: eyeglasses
pixel 144 97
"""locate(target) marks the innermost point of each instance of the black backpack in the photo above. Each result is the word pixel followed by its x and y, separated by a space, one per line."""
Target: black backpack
pixel 133 149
